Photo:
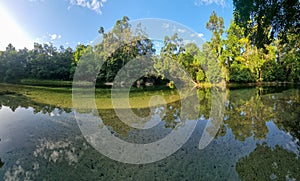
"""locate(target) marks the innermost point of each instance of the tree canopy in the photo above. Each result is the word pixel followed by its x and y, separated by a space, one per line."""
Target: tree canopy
pixel 265 20
pixel 261 44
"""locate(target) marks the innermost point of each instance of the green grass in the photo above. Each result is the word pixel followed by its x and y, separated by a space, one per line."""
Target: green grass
pixel 51 83
pixel 62 96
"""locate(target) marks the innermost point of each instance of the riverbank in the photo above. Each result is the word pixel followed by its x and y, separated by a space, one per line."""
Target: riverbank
pixel 62 96
pixel 63 83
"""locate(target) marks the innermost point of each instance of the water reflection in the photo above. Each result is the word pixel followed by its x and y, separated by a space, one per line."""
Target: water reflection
pixel 1 163
pixel 266 163
pixel 59 151
pixel 247 113
pixel 15 100
pixel 258 140
pixel 247 116
pixel 48 153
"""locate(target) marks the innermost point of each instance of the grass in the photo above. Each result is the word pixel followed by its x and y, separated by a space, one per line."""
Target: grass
pixel 51 83
pixel 62 96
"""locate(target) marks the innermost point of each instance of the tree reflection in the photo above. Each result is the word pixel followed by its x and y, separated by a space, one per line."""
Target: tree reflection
pixel 1 163
pixel 204 97
pixel 110 119
pixel 14 100
pixel 287 112
pixel 247 116
pixel 248 110
pixel 170 115
pixel 265 163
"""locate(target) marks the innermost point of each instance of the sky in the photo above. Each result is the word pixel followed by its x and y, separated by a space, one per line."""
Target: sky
pixel 70 22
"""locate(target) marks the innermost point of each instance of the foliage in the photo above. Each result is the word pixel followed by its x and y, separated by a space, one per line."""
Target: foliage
pixel 216 26
pixel 42 62
pixel 50 83
pixel 120 46
pixel 265 20
pixel 255 48
pixel 266 163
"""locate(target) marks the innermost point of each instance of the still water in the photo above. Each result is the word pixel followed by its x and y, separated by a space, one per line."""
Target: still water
pixel 258 139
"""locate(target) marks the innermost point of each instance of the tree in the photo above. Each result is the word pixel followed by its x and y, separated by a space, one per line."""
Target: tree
pixel 79 51
pixel 216 26
pixel 13 64
pixel 189 59
pixel 180 61
pixel 47 62
pixel 290 58
pixel 265 20
pixel 120 46
pixel 234 47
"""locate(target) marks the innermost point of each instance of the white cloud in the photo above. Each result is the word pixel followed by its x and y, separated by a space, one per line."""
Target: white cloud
pixel 165 25
pixel 54 36
pixel 181 30
pixel 200 35
pixel 208 2
pixel 48 38
pixel 94 5
pixel 188 41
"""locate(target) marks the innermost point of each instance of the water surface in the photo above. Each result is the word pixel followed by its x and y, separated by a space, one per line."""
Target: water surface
pixel 257 140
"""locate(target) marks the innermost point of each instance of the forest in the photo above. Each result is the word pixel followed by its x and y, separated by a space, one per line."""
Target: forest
pixel 262 44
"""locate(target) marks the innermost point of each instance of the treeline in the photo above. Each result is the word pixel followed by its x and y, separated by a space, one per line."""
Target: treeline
pixel 261 44
pixel 44 62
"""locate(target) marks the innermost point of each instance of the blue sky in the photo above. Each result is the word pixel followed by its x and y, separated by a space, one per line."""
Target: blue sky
pixel 69 22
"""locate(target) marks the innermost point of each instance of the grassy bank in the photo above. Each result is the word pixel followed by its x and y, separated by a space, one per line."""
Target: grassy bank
pixel 59 93
pixel 62 96
pixel 49 83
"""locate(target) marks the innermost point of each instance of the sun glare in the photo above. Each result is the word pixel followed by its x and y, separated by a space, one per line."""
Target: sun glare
pixel 10 32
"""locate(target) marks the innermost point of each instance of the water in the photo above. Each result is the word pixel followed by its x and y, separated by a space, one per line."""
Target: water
pixel 257 140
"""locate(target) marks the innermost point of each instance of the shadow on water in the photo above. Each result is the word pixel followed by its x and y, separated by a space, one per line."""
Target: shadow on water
pixel 1 163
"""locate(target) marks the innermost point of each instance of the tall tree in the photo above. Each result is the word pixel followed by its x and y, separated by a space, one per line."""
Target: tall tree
pixel 264 20
pixel 122 45
pixel 13 64
pixel 216 26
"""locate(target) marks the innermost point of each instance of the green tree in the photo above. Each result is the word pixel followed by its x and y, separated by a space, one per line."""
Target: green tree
pixel 210 64
pixel 290 58
pixel 216 26
pixel 79 51
pixel 167 63
pixel 47 62
pixel 235 45
pixel 13 64
pixel 265 20
pixel 122 45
